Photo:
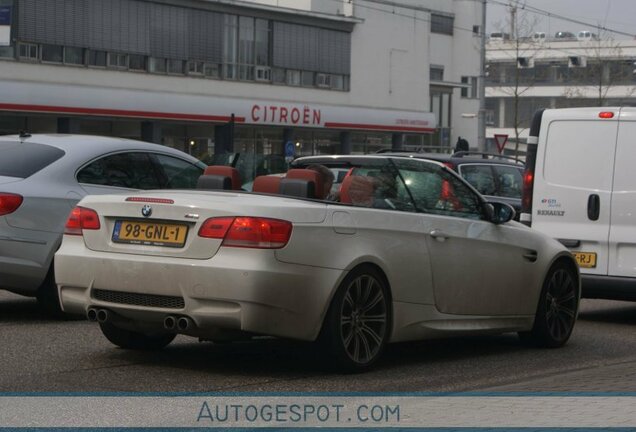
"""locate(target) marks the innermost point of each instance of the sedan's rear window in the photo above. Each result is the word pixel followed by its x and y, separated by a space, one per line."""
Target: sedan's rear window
pixel 23 159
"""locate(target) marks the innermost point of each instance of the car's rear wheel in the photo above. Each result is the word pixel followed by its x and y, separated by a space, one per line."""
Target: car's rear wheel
pixel 358 323
pixel 129 339
pixel 557 310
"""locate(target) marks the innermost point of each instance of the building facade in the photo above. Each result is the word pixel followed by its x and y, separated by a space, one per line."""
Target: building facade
pixel 214 77
pixel 534 73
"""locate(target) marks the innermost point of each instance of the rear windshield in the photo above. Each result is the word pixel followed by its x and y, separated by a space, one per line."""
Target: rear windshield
pixel 494 180
pixel 23 159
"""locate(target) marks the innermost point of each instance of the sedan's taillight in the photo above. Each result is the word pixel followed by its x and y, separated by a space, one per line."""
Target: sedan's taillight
pixel 9 203
pixel 81 218
pixel 248 232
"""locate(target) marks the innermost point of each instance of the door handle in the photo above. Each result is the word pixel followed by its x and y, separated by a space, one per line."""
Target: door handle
pixel 593 207
pixel 439 235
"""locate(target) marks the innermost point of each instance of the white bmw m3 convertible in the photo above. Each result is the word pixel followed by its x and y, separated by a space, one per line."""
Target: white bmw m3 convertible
pixel 407 250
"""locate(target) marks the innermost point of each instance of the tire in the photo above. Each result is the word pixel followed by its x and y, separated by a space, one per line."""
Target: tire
pixel 358 322
pixel 557 309
pixel 128 339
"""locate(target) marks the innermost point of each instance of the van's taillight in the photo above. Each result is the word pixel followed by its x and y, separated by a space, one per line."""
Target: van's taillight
pixel 248 232
pixel 81 218
pixel 528 183
pixel 606 115
pixel 9 203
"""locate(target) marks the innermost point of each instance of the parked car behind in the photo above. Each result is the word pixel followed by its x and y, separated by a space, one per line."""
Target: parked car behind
pixel 410 251
pixel 42 177
pixel 499 178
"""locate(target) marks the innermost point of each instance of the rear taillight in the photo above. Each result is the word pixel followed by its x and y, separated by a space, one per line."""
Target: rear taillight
pixel 9 203
pixel 248 232
pixel 528 183
pixel 81 218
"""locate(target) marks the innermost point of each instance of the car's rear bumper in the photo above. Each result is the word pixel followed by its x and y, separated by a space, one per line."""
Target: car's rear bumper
pixel 238 289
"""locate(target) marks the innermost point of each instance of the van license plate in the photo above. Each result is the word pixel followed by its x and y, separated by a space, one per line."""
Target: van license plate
pixel 585 259
pixel 150 233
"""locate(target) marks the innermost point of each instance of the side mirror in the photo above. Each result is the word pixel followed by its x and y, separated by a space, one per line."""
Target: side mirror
pixel 498 213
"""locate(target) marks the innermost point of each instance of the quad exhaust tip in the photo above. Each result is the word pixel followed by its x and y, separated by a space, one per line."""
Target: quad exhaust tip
pixel 97 315
pixel 169 323
pixel 102 316
pixel 184 323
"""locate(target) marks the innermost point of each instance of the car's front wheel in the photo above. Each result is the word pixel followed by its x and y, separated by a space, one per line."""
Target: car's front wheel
pixel 358 323
pixel 129 339
pixel 557 309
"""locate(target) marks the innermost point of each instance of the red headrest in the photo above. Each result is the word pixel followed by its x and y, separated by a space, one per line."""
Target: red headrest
pixel 266 184
pixel 358 190
pixel 311 175
pixel 226 171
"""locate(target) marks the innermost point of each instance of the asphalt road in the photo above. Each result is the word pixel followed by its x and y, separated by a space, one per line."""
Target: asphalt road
pixel 42 355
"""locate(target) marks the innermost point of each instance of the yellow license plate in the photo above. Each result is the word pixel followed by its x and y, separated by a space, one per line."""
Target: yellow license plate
pixel 585 259
pixel 150 233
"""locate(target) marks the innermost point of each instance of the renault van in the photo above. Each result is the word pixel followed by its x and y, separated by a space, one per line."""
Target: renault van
pixel 580 188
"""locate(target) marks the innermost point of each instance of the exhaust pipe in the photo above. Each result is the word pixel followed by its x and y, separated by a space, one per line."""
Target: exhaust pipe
pixel 184 323
pixel 169 323
pixel 102 315
pixel 91 314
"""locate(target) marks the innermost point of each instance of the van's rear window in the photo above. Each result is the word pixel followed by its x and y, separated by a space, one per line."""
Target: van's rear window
pixel 23 159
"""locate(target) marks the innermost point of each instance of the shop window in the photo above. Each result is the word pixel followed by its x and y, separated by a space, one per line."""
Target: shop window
pixel 212 70
pixel 196 67
pixel 52 53
pixel 323 80
pixel 73 56
pixel 137 62
pixel 117 60
pixel 7 52
pixel 337 82
pixel 175 66
pixel 157 65
pixel 97 58
pixel 293 77
pixel 278 76
pixel 27 51
pixel 307 79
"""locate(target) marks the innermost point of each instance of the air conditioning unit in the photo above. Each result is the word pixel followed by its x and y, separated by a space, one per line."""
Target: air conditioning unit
pixel 525 62
pixel 575 61
pixel 263 73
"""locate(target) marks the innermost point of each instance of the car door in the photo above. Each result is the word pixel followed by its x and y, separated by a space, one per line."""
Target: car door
pixel 573 184
pixel 622 235
pixel 478 268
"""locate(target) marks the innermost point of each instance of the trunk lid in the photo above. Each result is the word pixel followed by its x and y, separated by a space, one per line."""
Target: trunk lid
pixel 171 229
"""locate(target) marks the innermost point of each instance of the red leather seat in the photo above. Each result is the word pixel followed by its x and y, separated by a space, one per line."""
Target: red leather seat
pixel 358 190
pixel 266 184
pixel 310 175
pixel 225 171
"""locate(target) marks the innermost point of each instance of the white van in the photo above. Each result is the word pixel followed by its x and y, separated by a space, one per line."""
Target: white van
pixel 580 188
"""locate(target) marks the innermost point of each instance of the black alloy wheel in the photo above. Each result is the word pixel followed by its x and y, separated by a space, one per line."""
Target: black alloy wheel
pixel 557 310
pixel 358 322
